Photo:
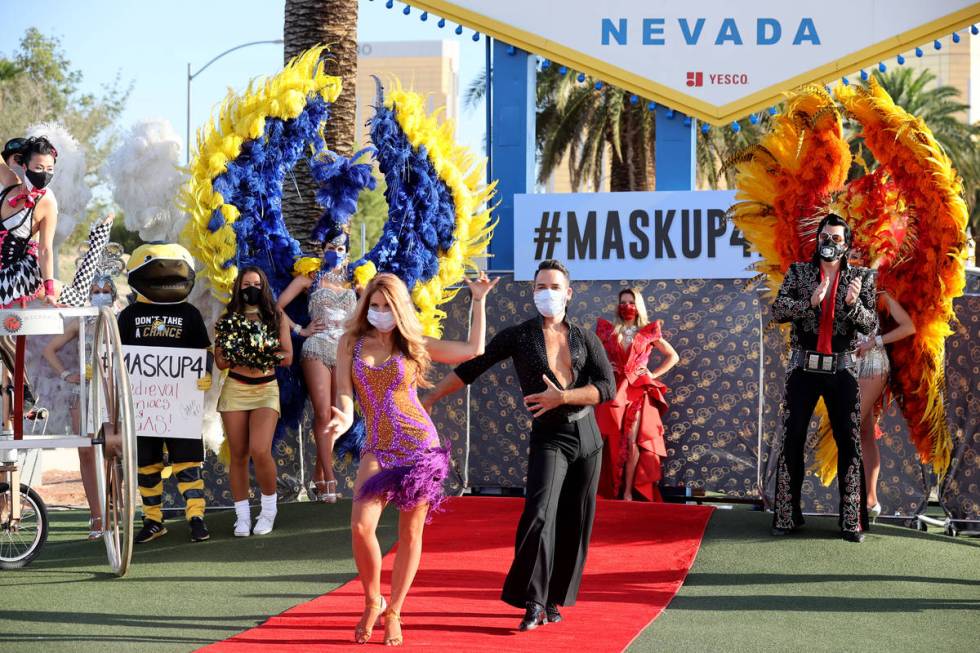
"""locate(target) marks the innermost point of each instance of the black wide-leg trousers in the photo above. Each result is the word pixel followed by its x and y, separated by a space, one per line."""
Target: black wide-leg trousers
pixel 842 397
pixel 555 527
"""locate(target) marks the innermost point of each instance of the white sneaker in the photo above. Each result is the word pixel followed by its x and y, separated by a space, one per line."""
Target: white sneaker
pixel 263 524
pixel 242 528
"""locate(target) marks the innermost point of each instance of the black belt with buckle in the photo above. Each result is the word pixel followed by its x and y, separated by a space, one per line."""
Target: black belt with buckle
pixel 815 361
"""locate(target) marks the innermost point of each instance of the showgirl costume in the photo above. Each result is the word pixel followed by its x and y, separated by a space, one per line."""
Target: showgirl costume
pixel 20 275
pixel 247 343
pixel 333 307
pixel 638 397
pixel 400 435
pixel 875 364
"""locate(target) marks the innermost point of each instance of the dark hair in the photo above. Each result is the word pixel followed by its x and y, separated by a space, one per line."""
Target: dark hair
pixel 267 304
pixel 36 145
pixel 832 220
pixel 12 147
pixel 553 264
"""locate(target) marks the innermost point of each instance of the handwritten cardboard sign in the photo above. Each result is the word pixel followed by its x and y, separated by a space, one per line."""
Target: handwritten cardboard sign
pixel 166 399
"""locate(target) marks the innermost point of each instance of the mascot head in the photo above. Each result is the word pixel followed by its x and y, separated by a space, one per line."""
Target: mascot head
pixel 161 274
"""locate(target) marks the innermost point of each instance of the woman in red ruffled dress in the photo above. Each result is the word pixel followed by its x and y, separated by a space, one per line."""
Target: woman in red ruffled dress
pixel 631 424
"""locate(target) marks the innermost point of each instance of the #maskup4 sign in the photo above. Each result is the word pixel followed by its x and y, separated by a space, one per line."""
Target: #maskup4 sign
pixel 611 236
pixel 716 60
pixel 166 398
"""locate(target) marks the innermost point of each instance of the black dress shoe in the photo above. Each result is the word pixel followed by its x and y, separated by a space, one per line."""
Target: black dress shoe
pixel 534 616
pixel 853 536
pixel 552 611
pixel 779 532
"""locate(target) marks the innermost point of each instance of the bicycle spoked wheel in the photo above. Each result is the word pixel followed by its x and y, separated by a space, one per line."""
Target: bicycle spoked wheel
pixel 21 540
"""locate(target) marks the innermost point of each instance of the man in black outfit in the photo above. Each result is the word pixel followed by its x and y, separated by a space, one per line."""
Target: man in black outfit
pixel 563 371
pixel 828 302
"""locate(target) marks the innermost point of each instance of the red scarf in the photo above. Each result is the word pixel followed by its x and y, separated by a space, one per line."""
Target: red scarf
pixel 30 197
pixel 826 331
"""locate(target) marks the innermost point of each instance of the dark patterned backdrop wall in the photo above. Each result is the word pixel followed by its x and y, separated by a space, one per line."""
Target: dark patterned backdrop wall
pixel 721 430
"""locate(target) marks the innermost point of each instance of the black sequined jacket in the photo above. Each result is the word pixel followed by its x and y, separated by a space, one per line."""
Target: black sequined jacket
pixel 793 305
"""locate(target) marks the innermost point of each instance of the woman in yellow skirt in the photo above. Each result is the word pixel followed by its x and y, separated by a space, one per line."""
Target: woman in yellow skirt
pixel 251 339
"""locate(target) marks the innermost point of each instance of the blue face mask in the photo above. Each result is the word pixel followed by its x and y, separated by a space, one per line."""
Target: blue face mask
pixel 330 259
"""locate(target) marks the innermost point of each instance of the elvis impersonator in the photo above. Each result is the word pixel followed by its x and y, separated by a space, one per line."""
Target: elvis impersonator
pixel 828 302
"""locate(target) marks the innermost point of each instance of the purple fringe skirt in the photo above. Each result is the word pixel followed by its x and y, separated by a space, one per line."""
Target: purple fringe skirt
pixel 408 486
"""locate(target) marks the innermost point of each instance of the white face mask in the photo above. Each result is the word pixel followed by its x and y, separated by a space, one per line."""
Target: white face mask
pixel 101 299
pixel 550 303
pixel 383 321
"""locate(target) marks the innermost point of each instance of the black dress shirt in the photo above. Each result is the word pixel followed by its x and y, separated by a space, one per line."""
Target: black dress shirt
pixel 524 343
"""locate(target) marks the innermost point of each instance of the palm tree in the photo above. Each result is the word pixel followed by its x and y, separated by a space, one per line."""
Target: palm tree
pixel 597 130
pixel 584 121
pixel 717 147
pixel 333 23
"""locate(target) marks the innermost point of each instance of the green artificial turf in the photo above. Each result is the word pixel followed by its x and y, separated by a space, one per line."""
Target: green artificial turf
pixel 177 596
pixel 900 590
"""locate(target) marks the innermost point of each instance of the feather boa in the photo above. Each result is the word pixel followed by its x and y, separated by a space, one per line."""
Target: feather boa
pixel 438 208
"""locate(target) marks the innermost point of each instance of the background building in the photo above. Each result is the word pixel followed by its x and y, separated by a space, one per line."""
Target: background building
pixel 427 67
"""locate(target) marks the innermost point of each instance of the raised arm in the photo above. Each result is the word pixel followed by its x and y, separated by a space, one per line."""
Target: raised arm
pixel 343 408
pixel 454 352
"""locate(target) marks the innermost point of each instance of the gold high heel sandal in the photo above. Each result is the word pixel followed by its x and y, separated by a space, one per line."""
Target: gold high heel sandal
pixel 372 610
pixel 393 628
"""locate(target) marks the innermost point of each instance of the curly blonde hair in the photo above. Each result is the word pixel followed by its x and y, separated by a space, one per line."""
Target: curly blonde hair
pixel 408 330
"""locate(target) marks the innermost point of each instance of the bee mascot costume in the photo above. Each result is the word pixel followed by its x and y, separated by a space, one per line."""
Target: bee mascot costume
pixel 162 277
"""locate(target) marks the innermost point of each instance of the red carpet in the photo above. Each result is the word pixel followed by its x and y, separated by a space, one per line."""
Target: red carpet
pixel 639 557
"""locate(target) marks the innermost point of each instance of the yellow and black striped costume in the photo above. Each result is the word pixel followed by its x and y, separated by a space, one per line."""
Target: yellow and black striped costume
pixel 170 323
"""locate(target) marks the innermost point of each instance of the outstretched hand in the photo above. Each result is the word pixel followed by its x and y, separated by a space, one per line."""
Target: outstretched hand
pixel 481 286
pixel 540 403
pixel 339 423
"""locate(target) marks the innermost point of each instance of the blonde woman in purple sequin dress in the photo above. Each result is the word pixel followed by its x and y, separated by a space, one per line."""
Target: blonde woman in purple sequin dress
pixel 383 358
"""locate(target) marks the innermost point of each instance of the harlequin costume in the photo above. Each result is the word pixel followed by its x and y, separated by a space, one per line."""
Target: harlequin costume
pixel 163 276
pixel 400 434
pixel 638 398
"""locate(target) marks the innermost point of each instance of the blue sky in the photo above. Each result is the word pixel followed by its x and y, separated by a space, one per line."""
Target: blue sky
pixel 151 43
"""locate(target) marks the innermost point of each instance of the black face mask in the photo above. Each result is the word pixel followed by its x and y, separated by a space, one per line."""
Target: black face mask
pixel 38 178
pixel 252 295
pixel 831 251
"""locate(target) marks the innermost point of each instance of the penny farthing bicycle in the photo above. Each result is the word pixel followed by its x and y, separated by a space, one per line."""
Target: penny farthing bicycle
pixel 107 420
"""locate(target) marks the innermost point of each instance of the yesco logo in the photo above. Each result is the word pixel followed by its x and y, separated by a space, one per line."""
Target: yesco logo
pixel 656 31
pixel 696 79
